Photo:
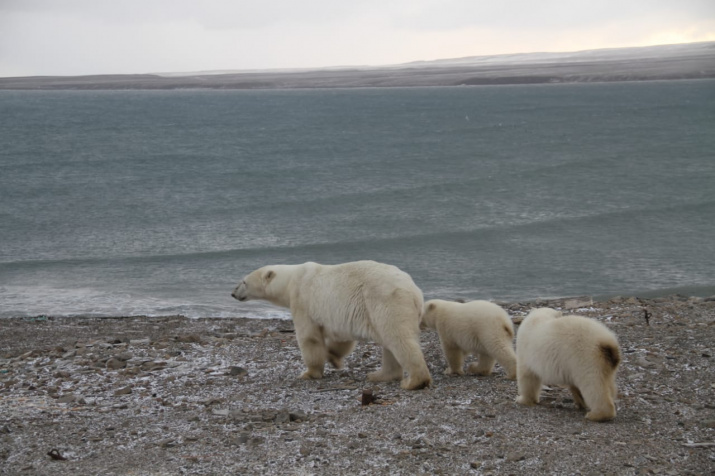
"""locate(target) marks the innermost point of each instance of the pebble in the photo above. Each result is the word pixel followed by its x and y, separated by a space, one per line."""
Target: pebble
pixel 515 456
pixel 116 364
pixel 235 371
pixel 67 398
pixel 123 391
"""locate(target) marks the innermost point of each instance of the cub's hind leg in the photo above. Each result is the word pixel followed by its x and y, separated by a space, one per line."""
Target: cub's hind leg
pixel 484 365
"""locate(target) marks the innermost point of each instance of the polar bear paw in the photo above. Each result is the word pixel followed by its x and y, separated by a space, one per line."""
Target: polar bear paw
pixel 450 371
pixel 521 400
pixel 311 375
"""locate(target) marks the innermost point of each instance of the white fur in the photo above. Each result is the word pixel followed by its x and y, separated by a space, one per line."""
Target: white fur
pixel 480 328
pixel 574 351
pixel 334 305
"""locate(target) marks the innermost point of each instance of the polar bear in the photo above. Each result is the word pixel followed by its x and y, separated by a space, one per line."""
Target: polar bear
pixel 480 328
pixel 568 350
pixel 334 305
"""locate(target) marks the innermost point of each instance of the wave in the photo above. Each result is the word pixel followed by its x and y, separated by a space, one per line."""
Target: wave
pixel 62 301
pixel 520 225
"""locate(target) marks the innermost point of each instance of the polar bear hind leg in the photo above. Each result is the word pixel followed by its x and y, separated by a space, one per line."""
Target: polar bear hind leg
pixel 484 365
pixel 504 354
pixel 405 355
pixel 337 351
pixel 391 368
pixel 397 329
pixel 409 354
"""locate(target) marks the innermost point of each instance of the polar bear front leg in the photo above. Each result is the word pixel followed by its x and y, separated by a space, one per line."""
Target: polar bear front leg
pixel 529 385
pixel 312 346
pixel 598 398
pixel 577 397
pixel 455 358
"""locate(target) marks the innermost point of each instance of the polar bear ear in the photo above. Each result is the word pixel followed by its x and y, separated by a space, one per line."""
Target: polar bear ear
pixel 269 276
pixel 431 307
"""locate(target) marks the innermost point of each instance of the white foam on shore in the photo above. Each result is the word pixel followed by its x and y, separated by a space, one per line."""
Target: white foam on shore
pixel 24 301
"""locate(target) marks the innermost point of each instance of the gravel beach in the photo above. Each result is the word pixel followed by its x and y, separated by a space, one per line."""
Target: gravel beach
pixel 171 395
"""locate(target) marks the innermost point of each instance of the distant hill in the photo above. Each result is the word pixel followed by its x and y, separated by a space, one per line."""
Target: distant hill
pixel 665 62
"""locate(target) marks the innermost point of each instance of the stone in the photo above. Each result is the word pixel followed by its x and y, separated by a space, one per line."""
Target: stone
pixel 116 364
pixel 66 398
pixel 576 304
pixel 124 356
pixel 282 417
pixel 235 371
pixel 189 339
pixel 123 391
pixel 298 416
pixel 157 365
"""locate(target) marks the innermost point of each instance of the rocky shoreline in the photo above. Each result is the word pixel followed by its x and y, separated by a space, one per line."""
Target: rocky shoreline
pixel 171 395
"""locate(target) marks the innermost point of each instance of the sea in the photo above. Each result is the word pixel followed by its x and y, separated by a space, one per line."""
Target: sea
pixel 122 203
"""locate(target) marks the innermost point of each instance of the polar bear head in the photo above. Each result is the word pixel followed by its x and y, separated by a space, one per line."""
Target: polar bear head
pixel 429 315
pixel 544 314
pixel 269 283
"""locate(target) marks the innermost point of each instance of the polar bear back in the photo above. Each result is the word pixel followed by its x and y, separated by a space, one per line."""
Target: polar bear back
pixel 352 300
pixel 562 349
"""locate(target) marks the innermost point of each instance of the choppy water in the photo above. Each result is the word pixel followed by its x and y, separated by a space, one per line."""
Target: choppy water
pixel 139 202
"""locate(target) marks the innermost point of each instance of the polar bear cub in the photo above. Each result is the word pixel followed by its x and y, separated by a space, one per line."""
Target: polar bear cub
pixel 575 351
pixel 334 305
pixel 480 328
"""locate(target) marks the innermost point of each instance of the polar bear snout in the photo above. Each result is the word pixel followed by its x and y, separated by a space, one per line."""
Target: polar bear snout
pixel 240 293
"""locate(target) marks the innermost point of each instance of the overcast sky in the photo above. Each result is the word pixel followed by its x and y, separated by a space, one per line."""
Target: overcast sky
pixel 72 37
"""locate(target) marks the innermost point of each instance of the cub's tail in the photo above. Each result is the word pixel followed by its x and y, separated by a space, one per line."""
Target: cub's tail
pixel 611 355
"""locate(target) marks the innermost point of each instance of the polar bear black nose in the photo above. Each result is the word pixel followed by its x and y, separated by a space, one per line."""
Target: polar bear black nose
pixel 240 292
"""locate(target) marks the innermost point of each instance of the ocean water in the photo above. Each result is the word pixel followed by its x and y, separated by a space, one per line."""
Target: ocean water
pixel 158 202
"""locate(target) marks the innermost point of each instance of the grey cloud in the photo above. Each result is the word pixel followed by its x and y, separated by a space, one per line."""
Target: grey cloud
pixel 545 14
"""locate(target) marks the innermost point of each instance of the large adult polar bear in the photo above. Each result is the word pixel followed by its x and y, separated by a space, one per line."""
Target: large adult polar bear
pixel 481 328
pixel 335 305
pixel 575 351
